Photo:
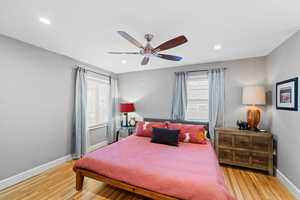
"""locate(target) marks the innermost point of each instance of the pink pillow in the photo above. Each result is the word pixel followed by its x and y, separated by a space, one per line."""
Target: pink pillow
pixel 193 134
pixel 145 128
pixel 189 132
pixel 174 126
pixel 196 137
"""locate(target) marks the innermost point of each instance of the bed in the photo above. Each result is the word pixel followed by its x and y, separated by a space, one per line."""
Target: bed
pixel 190 171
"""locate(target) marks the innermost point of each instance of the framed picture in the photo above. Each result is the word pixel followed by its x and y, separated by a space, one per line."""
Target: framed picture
pixel 287 94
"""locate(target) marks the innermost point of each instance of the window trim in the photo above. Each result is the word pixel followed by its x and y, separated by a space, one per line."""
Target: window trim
pixel 101 125
pixel 101 80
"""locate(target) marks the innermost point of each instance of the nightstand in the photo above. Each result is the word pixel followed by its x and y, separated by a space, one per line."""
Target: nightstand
pixel 124 132
pixel 245 148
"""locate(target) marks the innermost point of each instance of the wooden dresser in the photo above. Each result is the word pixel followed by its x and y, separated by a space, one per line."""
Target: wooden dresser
pixel 245 148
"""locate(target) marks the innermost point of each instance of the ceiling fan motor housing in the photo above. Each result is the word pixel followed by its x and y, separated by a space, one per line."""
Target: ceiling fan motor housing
pixel 149 37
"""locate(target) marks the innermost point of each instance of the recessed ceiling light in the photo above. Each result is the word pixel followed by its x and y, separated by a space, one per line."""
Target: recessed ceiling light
pixel 124 61
pixel 217 47
pixel 45 20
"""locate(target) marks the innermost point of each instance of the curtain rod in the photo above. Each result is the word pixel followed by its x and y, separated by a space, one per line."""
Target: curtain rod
pixel 200 70
pixel 89 70
pixel 98 73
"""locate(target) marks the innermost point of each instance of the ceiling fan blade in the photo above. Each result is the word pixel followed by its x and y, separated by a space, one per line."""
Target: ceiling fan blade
pixel 134 53
pixel 131 39
pixel 145 61
pixel 169 57
pixel 171 43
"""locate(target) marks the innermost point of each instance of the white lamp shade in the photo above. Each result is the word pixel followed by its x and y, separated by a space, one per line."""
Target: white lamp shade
pixel 254 95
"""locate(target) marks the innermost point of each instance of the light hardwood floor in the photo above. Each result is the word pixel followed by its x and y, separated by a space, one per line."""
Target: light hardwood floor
pixel 59 184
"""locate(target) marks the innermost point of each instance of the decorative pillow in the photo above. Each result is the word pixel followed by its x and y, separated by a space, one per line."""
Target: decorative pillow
pixel 196 137
pixel 165 136
pixel 193 134
pixel 145 128
pixel 189 132
pixel 174 126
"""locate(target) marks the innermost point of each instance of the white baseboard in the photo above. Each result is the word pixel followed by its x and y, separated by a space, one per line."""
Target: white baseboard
pixel 5 183
pixel 98 145
pixel 289 184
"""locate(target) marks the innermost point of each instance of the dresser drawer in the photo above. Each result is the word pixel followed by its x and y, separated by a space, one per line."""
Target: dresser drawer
pixel 242 141
pixel 242 157
pixel 225 155
pixel 260 160
pixel 261 143
pixel 225 140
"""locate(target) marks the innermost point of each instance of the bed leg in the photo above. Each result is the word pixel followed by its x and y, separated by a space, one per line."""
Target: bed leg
pixel 79 180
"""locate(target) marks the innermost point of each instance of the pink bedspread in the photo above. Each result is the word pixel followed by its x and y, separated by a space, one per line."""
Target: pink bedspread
pixel 190 171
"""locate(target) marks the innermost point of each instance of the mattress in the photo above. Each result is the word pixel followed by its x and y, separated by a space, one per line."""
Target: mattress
pixel 190 171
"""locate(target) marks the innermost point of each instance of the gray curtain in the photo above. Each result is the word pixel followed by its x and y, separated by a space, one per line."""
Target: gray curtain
pixel 81 129
pixel 114 117
pixel 216 99
pixel 179 101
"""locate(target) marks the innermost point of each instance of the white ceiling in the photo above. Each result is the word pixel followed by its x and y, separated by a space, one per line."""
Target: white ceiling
pixel 86 29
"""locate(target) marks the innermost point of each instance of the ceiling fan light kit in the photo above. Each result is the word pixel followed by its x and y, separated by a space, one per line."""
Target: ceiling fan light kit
pixel 148 51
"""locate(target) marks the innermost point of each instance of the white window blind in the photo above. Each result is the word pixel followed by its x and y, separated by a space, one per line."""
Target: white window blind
pixel 98 90
pixel 197 92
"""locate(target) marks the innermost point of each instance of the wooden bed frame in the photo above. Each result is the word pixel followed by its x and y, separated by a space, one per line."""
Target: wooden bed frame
pixel 81 173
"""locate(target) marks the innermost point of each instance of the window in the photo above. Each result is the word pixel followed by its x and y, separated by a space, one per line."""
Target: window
pixel 197 93
pixel 97 100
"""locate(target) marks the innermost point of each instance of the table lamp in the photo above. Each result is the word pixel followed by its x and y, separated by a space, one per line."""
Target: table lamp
pixel 254 95
pixel 126 108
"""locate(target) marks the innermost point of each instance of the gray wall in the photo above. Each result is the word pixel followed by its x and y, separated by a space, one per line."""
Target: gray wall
pixel 282 64
pixel 152 90
pixel 36 106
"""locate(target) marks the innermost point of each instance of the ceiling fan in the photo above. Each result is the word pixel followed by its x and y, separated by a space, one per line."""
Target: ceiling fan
pixel 148 51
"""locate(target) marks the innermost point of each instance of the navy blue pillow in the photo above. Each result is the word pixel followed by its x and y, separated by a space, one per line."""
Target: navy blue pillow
pixel 165 136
